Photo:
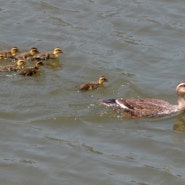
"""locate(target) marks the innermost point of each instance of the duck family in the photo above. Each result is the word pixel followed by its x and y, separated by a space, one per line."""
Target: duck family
pixel 130 108
pixel 26 63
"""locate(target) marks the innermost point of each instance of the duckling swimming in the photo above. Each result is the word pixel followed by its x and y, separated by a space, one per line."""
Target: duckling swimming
pixel 31 70
pixel 148 107
pixel 49 55
pixel 9 54
pixel 93 85
pixel 15 67
pixel 27 55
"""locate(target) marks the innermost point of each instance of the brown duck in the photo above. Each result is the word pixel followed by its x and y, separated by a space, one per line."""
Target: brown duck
pixel 27 55
pixel 15 67
pixel 93 85
pixel 49 55
pixel 9 54
pixel 148 107
pixel 31 70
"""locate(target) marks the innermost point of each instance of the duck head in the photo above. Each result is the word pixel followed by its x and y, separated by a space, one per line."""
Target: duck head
pixel 57 51
pixel 102 79
pixel 20 63
pixel 38 64
pixel 34 51
pixel 14 50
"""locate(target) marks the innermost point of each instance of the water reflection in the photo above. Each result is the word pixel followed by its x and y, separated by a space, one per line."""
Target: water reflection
pixel 53 64
pixel 179 125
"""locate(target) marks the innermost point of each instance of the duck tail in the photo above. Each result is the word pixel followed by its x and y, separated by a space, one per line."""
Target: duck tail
pixel 109 102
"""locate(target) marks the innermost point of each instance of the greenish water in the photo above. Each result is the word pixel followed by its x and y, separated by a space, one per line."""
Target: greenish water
pixel 51 134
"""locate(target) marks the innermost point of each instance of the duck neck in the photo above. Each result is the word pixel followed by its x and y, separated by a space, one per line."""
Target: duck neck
pixel 100 82
pixel 181 101
pixel 55 54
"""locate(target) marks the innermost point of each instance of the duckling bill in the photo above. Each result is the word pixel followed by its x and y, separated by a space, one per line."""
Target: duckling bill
pixel 93 85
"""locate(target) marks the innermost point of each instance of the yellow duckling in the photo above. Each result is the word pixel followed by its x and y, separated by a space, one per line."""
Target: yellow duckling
pixel 31 70
pixel 9 54
pixel 15 67
pixel 27 55
pixel 49 55
pixel 93 85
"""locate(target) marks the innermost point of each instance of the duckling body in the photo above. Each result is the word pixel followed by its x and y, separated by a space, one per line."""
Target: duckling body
pixel 29 71
pixel 49 55
pixel 93 85
pixel 9 54
pixel 27 55
pixel 148 107
pixel 15 67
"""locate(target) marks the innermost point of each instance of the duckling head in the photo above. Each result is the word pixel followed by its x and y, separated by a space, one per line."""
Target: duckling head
pixel 20 63
pixel 14 50
pixel 57 51
pixel 102 79
pixel 34 51
pixel 38 64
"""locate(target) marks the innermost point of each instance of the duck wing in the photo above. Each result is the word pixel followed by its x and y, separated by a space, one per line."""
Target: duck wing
pixel 28 71
pixel 88 86
pixel 8 68
pixel 6 55
pixel 42 56
pixel 145 107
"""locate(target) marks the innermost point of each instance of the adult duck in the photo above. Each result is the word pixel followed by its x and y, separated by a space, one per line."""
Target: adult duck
pixel 148 107
pixel 93 85
pixel 30 71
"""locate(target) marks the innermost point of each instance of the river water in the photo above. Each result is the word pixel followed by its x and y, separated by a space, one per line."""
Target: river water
pixel 51 134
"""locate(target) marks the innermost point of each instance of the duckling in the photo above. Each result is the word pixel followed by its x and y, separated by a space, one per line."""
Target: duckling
pixel 19 65
pixel 31 70
pixel 9 54
pixel 93 85
pixel 49 55
pixel 27 55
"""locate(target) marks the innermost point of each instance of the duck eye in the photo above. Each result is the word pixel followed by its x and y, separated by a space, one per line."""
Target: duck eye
pixel 182 85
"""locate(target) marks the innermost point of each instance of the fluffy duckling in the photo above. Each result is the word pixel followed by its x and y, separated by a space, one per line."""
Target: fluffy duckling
pixel 49 55
pixel 27 55
pixel 31 70
pixel 15 67
pixel 93 85
pixel 9 54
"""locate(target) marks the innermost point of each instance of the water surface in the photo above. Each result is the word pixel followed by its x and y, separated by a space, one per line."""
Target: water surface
pixel 51 134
